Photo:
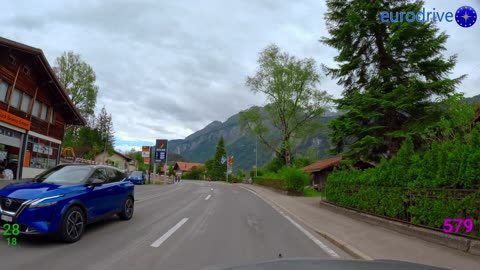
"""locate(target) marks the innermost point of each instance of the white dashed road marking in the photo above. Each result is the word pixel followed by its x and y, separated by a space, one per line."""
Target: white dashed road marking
pixel 164 237
pixel 208 197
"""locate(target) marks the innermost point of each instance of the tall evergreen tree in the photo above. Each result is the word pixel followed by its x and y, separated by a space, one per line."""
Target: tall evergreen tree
pixel 104 125
pixel 390 72
pixel 218 170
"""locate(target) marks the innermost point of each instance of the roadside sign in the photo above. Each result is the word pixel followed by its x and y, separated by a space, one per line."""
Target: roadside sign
pixel 161 150
pixel 145 151
pixel 146 154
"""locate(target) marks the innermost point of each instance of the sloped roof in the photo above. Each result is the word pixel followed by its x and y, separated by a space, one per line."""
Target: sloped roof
pixel 186 166
pixel 77 119
pixel 127 158
pixel 322 164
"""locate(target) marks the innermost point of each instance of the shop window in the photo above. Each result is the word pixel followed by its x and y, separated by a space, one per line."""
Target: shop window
pixel 42 153
pixel 15 98
pixel 3 90
pixel 36 108
pixel 26 103
pixel 44 112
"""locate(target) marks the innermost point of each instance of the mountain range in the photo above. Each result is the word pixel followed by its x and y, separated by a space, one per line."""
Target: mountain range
pixel 200 146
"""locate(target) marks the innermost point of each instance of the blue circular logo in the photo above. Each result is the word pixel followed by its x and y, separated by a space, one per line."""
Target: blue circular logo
pixel 466 16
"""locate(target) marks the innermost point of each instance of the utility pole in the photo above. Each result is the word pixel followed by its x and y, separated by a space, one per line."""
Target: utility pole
pixel 105 148
pixel 165 166
pixel 150 165
pixel 256 155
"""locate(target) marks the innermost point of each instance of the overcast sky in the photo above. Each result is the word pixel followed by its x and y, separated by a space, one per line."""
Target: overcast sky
pixel 168 68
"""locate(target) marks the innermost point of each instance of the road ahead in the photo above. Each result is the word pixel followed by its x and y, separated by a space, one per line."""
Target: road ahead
pixel 188 225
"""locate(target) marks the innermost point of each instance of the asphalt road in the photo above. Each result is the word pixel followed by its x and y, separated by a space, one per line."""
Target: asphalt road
pixel 188 225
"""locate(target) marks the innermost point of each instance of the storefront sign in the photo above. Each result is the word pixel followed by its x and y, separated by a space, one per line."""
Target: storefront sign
pixel 14 120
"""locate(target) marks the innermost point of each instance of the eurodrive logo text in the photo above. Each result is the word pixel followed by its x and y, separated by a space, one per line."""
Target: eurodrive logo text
pixel 465 16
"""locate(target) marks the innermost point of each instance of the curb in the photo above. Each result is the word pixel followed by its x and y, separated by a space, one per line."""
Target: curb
pixel 354 252
pixel 465 244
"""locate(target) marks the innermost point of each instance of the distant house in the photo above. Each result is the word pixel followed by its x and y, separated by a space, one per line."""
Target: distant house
pixel 322 168
pixel 182 167
pixel 118 160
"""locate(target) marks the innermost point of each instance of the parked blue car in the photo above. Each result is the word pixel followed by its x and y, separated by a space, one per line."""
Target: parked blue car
pixel 62 200
pixel 137 177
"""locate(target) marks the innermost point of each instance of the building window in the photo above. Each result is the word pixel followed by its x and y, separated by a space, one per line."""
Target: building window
pixel 42 154
pixel 3 90
pixel 44 112
pixel 36 108
pixel 26 103
pixel 15 99
pixel 52 116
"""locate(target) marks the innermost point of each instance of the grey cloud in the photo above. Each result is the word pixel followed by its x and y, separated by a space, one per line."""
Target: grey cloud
pixel 171 67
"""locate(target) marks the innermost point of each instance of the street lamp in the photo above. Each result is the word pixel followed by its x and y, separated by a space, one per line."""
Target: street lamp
pixel 256 155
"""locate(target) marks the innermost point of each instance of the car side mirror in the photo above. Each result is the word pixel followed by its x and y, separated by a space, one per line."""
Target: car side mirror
pixel 96 182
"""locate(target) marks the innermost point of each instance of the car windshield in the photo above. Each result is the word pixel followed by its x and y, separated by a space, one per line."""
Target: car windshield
pixel 136 174
pixel 65 175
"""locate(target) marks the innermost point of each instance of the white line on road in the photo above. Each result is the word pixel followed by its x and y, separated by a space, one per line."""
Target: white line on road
pixel 314 239
pixel 164 237
pixel 208 197
pixel 211 189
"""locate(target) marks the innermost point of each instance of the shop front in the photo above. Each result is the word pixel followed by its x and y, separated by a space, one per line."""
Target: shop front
pixel 34 111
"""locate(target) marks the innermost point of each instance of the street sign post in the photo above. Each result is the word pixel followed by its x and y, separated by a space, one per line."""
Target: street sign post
pixel 161 150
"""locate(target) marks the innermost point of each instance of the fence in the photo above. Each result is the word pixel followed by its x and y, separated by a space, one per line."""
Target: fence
pixel 427 207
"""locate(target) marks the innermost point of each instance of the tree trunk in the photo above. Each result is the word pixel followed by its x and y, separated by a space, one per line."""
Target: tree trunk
pixel 288 157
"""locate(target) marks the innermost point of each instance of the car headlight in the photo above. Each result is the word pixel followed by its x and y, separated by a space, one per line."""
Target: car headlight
pixel 41 202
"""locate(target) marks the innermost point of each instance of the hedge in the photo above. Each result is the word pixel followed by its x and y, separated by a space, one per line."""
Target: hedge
pixel 273 183
pixel 421 188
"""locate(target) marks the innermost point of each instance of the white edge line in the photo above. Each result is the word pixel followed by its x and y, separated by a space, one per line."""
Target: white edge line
pixel 208 197
pixel 324 247
pixel 313 238
pixel 172 230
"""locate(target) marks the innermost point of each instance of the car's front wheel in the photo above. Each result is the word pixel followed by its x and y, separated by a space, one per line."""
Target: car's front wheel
pixel 72 225
pixel 127 209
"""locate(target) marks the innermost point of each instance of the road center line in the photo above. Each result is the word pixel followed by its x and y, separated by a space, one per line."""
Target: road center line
pixel 164 237
pixel 313 238
pixel 208 197
pixel 211 189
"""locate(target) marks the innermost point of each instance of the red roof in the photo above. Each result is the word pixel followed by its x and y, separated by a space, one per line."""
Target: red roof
pixel 322 164
pixel 186 166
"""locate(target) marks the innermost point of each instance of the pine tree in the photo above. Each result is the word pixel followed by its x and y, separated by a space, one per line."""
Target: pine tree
pixel 218 170
pixel 104 126
pixel 390 73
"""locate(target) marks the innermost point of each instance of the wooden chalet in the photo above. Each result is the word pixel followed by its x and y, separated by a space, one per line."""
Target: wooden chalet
pixel 34 110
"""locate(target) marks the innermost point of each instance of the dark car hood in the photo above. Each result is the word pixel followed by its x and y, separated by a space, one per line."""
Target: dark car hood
pixel 333 264
pixel 33 190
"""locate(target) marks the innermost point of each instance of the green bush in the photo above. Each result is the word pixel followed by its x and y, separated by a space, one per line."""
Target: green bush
pixel 295 179
pixel 300 162
pixel 273 165
pixel 417 186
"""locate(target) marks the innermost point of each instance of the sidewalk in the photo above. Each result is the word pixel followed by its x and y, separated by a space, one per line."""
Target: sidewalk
pixel 365 240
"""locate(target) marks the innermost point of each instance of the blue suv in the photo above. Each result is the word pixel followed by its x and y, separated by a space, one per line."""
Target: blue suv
pixel 62 200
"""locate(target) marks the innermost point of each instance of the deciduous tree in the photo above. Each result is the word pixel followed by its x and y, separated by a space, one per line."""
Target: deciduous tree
pixel 294 100
pixel 78 80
